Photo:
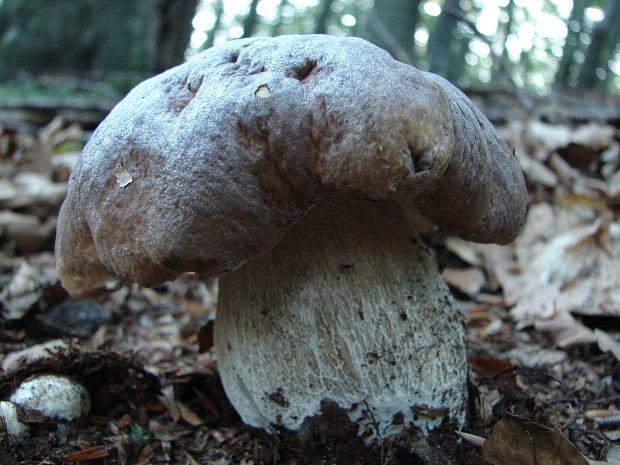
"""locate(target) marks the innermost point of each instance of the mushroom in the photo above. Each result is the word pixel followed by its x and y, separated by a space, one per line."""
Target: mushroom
pixel 300 169
pixel 15 430
pixel 54 396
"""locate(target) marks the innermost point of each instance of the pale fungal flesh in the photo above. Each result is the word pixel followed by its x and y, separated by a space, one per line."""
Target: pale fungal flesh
pixel 349 307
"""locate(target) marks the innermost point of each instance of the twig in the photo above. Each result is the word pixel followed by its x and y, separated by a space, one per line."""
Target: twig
pixel 596 434
pixel 512 371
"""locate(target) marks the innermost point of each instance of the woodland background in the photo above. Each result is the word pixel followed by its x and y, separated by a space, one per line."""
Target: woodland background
pixel 542 315
pixel 538 45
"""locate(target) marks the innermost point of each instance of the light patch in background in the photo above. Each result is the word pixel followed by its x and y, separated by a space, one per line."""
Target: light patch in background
pixel 594 14
pixel 348 20
pixel 421 36
pixel 539 23
pixel 432 9
pixel 489 19
pixel 514 47
pixel 268 9
pixel 204 19
pixel 479 48
pixel 202 22
pixel 304 3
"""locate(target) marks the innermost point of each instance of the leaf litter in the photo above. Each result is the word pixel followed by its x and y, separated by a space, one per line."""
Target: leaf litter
pixel 545 377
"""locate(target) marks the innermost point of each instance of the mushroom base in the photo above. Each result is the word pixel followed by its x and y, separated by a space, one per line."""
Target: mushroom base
pixel 349 307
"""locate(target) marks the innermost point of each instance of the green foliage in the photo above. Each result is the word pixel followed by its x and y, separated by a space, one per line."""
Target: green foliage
pixel 62 88
pixel 138 434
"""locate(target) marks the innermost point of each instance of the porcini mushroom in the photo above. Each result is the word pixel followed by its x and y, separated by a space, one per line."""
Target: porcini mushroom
pixel 298 167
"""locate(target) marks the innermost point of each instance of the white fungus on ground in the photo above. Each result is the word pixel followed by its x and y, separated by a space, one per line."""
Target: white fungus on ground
pixel 56 397
pixel 15 429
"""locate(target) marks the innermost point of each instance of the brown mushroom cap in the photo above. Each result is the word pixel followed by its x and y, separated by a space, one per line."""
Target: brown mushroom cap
pixel 207 165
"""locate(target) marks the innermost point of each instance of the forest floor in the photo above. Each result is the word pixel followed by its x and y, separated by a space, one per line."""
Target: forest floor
pixel 542 319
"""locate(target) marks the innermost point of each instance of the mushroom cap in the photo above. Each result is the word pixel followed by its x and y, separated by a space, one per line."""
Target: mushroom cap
pixel 55 396
pixel 207 165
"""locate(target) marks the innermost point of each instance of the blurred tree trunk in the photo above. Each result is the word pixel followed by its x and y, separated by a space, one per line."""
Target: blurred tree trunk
pixel 443 50
pixel 277 26
pixel 175 31
pixel 218 9
pixel 63 35
pixel 603 43
pixel 392 25
pixel 251 20
pixel 325 10
pixel 564 76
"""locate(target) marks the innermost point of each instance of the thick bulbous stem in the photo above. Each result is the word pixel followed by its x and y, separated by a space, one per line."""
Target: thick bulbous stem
pixel 349 307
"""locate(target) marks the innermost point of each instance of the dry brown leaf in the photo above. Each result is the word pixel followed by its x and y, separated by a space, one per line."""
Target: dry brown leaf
pixel 191 460
pixel 25 231
pixel 604 417
pixel 472 438
pixel 33 353
pixel 607 343
pixel 568 259
pixel 168 400
pixel 594 136
pixel 491 366
pixel 566 330
pixel 23 291
pixel 536 356
pixel 516 440
pixel 189 415
pixel 467 280
pixel 91 453
pixel 31 189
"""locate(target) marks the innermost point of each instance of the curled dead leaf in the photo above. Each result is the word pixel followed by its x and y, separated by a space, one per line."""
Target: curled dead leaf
pixel 607 343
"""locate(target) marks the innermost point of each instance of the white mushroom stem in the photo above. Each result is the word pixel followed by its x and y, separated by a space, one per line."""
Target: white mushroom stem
pixel 348 307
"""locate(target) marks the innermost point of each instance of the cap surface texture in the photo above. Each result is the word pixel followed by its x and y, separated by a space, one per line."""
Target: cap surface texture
pixel 207 165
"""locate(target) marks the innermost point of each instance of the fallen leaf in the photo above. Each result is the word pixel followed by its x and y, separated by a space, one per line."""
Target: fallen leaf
pixel 34 353
pixel 189 415
pixel 467 280
pixel 566 330
pixel 491 366
pixel 593 135
pixel 92 453
pixel 517 440
pixel 25 231
pixel 167 399
pixel 607 343
pixel 567 260
pixel 604 417
pixel 472 438
pixel 22 292
pixel 28 189
pixel 191 460
pixel 124 421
